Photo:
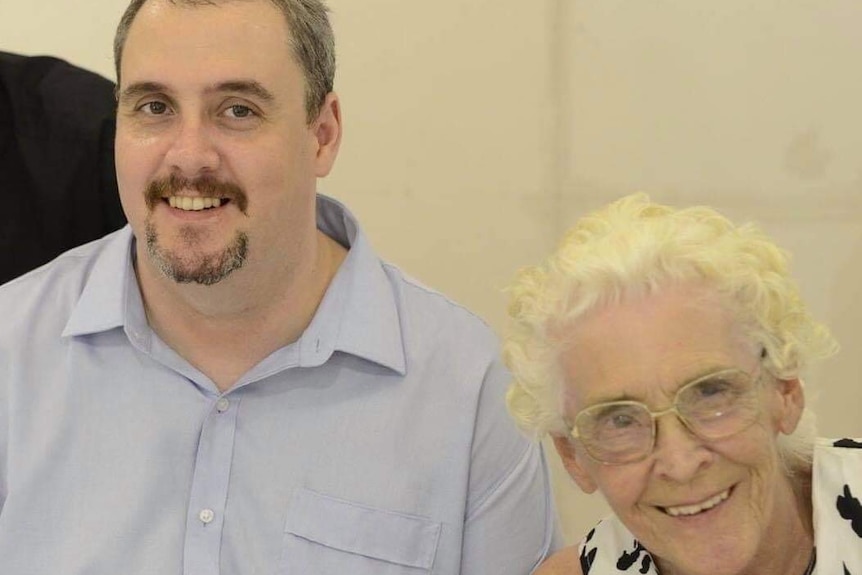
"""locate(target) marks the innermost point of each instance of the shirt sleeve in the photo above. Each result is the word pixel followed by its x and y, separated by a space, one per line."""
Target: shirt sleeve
pixel 511 524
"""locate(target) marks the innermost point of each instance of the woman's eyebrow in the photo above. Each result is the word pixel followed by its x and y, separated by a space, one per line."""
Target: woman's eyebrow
pixel 706 373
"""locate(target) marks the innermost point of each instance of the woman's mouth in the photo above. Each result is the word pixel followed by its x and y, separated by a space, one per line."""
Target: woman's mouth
pixel 696 508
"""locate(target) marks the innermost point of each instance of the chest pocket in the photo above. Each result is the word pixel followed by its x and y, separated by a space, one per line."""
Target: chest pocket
pixel 324 535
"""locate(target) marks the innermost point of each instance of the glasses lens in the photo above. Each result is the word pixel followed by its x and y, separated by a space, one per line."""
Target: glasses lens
pixel 617 432
pixel 719 405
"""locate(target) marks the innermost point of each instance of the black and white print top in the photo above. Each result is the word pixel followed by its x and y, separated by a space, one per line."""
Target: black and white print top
pixel 610 549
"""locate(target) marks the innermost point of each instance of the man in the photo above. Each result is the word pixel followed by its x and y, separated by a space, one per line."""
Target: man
pixel 235 383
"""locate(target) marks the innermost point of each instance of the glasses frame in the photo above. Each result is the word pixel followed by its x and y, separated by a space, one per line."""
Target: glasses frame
pixel 654 415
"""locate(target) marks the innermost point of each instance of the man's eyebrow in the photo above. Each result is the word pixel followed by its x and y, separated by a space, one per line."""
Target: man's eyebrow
pixel 246 87
pixel 137 89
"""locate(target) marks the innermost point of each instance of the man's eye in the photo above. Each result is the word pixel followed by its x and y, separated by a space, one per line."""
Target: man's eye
pixel 154 108
pixel 239 111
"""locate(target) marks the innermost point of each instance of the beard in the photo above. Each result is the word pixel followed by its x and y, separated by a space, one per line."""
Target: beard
pixel 194 266
pixel 191 264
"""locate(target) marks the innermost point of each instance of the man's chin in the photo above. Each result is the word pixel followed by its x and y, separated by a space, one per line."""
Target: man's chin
pixel 190 265
pixel 201 275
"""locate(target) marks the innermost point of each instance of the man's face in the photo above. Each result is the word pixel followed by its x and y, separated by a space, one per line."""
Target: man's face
pixel 216 161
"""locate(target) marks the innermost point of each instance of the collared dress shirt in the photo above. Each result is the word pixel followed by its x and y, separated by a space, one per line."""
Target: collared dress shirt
pixel 377 443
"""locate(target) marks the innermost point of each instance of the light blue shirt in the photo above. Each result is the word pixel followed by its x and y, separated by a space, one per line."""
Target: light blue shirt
pixel 375 444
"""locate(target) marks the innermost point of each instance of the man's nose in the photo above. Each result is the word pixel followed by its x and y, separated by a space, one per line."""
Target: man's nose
pixel 193 151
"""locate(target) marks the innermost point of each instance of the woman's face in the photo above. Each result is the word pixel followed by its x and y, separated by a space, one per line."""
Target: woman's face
pixel 703 506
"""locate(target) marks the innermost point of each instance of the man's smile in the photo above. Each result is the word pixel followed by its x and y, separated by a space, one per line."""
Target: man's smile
pixel 210 193
pixel 194 204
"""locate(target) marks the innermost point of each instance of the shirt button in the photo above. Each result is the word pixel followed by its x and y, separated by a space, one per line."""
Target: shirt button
pixel 222 405
pixel 206 516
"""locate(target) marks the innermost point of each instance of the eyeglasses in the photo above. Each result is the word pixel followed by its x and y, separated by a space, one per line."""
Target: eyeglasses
pixel 715 406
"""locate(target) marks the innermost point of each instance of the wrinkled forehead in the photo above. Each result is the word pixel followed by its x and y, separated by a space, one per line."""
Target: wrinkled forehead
pixel 646 348
pixel 181 44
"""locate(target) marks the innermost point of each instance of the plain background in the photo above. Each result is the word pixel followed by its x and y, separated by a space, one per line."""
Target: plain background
pixel 476 131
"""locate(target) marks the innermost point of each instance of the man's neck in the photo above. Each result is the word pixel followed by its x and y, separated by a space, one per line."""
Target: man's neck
pixel 226 329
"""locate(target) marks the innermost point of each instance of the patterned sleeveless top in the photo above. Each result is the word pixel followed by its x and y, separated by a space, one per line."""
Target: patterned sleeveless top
pixel 610 549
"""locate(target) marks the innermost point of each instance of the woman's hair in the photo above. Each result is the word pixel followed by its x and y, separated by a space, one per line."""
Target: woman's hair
pixel 634 247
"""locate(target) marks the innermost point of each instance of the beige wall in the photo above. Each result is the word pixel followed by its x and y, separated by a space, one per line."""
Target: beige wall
pixel 476 130
pixel 80 31
pixel 445 150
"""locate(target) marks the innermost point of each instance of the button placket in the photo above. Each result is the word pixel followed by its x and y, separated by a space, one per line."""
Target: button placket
pixel 208 498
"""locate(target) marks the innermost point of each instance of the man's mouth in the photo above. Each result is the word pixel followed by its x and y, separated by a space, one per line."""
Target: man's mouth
pixel 195 195
pixel 194 204
pixel 695 508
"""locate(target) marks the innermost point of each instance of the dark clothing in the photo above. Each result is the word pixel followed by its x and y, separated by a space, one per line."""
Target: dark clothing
pixel 57 177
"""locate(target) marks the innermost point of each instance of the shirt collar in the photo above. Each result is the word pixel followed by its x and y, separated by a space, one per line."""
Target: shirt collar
pixel 358 315
pixel 102 302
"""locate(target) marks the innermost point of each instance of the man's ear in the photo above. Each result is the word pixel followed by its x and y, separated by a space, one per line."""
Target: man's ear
pixel 566 449
pixel 791 403
pixel 327 132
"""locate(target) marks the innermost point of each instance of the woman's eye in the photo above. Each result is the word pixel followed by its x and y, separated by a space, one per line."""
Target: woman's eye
pixel 712 388
pixel 620 417
pixel 621 421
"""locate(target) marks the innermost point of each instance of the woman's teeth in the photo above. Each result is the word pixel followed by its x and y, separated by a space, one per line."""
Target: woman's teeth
pixel 697 507
pixel 193 204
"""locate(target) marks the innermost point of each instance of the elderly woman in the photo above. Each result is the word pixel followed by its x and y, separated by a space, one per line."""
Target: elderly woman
pixel 661 349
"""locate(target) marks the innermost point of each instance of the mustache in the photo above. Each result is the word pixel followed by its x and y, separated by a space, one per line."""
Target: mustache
pixel 206 186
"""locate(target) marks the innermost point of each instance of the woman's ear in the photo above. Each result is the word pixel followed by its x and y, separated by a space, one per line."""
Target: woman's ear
pixel 566 449
pixel 791 403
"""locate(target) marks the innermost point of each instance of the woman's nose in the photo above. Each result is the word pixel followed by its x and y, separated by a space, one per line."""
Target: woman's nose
pixel 679 454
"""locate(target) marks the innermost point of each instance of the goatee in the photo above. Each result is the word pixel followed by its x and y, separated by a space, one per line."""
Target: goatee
pixel 191 265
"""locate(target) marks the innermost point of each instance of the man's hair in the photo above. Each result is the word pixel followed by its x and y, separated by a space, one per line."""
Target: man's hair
pixel 311 40
pixel 633 248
